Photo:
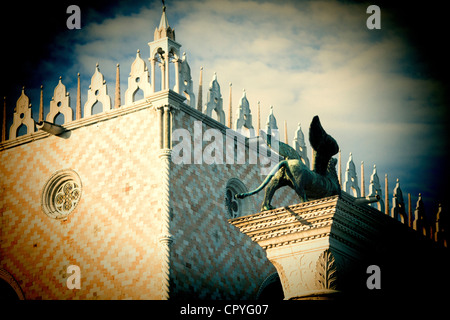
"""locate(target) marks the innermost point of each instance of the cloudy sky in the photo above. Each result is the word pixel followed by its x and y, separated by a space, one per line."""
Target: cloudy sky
pixel 380 93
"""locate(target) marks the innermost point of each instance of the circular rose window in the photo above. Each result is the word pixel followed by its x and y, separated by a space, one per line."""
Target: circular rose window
pixel 61 194
pixel 236 207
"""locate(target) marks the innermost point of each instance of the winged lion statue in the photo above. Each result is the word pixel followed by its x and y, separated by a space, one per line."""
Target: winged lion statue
pixel 320 182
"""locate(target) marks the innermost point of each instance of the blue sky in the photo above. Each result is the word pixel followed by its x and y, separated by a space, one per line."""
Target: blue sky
pixel 376 91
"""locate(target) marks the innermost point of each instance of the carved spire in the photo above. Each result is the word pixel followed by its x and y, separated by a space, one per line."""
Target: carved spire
pixel 138 79
pixel 419 217
pixel 271 124
pixel 97 92
pixel 410 216
pixel 22 116
pixel 200 92
pixel 386 194
pixel 300 145
pixel 41 105
pixel 230 109
pixel 363 187
pixel 375 189
pixel 441 232
pixel 244 115
pixel 258 124
pixel 340 168
pixel 398 211
pixel 60 104
pixel 351 180
pixel 78 106
pixel 215 101
pixel 285 133
pixel 185 83
pixel 164 30
pixel 117 91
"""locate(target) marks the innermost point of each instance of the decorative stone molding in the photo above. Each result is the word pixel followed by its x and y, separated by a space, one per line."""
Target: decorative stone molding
pixel 308 243
pixel 300 145
pixel 138 79
pixel 186 86
pixel 326 271
pixel 375 189
pixel 271 125
pixel 60 103
pixel 398 211
pixel 236 207
pixel 22 116
pixel 244 115
pixel 61 194
pixel 351 179
pixel 98 92
pixel 215 101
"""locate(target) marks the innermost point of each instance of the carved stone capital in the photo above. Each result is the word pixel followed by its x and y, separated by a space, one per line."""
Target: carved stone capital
pixel 165 154
pixel 166 239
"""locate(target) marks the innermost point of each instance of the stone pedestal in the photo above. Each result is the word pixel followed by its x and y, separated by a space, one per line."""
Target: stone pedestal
pixel 323 249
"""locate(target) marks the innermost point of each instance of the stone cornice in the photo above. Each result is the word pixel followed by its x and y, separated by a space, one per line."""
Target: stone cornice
pixel 292 224
pixel 337 217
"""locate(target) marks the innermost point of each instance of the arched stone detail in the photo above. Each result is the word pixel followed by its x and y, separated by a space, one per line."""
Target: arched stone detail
pixel 244 115
pixel 272 278
pixel 215 101
pixel 236 207
pixel 22 115
pixel 186 85
pixel 8 277
pixel 351 180
pixel 138 79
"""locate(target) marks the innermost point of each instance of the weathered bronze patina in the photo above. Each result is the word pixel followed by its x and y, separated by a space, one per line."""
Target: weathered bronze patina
pixel 320 182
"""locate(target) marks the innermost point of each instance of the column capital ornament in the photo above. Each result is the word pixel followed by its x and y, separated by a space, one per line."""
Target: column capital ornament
pixel 166 239
pixel 326 271
pixel 165 153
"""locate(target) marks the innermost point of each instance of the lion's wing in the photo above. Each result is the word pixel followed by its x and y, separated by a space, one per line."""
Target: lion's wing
pixel 287 151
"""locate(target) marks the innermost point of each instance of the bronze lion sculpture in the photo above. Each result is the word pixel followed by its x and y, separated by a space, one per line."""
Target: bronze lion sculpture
pixel 320 182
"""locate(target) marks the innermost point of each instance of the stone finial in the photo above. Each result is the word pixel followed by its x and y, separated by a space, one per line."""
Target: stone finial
pixel 117 101
pixel 215 101
pixel 98 92
pixel 138 79
pixel 258 124
pixel 441 231
pixel 386 194
pixel 419 222
pixel 60 104
pixel 375 189
pixel 351 180
pixel 271 125
pixel 78 106
pixel 244 114
pixel 41 104
pixel 363 181
pixel 164 30
pixel 230 108
pixel 300 145
pixel 398 211
pixel 200 91
pixel 22 116
pixel 185 84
